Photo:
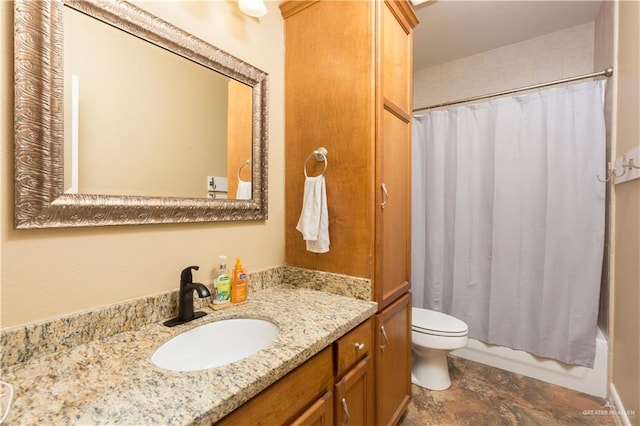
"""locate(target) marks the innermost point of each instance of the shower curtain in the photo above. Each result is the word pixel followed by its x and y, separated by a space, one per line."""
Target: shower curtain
pixel 508 218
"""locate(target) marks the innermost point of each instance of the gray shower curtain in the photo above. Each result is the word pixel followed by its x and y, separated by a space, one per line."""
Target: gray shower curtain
pixel 508 219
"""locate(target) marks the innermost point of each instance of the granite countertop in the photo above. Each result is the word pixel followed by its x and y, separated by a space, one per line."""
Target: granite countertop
pixel 113 381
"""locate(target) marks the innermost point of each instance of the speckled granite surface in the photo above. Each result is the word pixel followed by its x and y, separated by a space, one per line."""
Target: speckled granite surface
pixel 19 344
pixel 112 380
pixel 360 288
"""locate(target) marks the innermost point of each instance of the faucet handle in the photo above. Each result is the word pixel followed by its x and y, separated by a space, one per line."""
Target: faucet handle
pixel 185 275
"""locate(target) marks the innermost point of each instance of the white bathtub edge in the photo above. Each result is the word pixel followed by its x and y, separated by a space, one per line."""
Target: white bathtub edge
pixel 583 379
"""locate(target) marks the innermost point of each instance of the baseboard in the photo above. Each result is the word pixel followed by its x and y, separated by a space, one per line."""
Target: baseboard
pixel 621 415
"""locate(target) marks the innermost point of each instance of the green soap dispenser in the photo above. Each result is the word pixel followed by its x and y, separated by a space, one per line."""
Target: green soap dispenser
pixel 222 284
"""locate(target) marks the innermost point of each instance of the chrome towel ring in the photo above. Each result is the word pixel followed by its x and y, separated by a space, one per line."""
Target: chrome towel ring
pixel 321 155
pixel 247 162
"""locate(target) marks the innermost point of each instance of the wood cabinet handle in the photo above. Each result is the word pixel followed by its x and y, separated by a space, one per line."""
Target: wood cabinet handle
pixel 359 346
pixel 345 409
pixel 385 195
pixel 383 346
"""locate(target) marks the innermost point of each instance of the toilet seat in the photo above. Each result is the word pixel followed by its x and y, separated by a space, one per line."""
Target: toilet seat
pixel 436 323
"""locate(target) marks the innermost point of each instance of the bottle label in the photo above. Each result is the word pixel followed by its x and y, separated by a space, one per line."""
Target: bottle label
pixel 223 289
pixel 239 287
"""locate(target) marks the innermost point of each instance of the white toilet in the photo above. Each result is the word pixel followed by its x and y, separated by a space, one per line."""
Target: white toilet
pixel 433 336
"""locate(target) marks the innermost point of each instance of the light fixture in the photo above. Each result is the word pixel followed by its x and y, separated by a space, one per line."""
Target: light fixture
pixel 255 8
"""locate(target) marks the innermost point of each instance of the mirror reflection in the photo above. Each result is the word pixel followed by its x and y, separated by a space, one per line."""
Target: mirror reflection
pixel 142 121
pixel 62 179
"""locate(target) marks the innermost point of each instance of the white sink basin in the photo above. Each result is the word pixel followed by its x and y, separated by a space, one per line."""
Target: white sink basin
pixel 215 344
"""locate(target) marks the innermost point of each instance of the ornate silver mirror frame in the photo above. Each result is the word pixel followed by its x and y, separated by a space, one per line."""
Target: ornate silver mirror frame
pixel 40 201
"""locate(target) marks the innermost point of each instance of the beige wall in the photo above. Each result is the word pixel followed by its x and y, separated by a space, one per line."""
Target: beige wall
pixel 626 216
pixel 553 56
pixel 46 273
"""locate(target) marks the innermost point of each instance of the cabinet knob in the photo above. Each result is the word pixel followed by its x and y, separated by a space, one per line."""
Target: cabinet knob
pixel 359 346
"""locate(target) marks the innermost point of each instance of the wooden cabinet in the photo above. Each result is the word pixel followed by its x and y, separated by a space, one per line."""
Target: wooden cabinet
pixel 330 102
pixel 393 217
pixel 354 392
pixel 393 361
pixel 354 396
pixel 393 159
pixel 352 347
pixel 348 87
pixel 307 396
pixel 290 397
pixel 319 414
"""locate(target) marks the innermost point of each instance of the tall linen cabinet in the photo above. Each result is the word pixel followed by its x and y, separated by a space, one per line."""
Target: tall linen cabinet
pixel 348 88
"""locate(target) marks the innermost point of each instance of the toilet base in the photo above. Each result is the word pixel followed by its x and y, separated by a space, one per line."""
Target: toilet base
pixel 430 369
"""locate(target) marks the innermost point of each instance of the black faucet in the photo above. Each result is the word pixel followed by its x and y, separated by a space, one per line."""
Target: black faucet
pixel 185 298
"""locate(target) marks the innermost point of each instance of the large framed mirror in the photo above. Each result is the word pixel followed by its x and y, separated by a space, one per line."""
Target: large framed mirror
pixel 122 118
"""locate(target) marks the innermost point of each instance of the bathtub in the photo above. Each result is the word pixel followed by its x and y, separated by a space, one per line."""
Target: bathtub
pixel 583 379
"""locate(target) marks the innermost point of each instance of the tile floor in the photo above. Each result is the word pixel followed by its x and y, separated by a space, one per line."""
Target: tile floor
pixel 484 395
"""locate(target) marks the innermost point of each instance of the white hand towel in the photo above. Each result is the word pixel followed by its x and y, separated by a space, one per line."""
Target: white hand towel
pixel 244 190
pixel 314 218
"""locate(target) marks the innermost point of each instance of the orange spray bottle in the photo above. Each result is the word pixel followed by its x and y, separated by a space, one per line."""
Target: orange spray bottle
pixel 239 284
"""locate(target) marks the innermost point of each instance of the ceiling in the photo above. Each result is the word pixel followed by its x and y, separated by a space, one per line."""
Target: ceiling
pixel 453 29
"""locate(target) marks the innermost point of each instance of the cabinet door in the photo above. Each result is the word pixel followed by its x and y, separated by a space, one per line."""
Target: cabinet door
pixel 394 208
pixel 397 57
pixel 354 396
pixel 393 361
pixel 319 414
pixel 393 152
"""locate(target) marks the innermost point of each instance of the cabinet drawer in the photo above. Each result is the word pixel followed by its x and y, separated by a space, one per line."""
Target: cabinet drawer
pixel 353 346
pixel 288 397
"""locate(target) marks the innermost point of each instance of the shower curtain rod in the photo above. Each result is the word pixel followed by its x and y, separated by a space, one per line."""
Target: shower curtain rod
pixel 606 73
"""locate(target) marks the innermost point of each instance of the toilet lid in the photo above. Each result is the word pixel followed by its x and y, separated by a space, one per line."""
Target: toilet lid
pixel 437 323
